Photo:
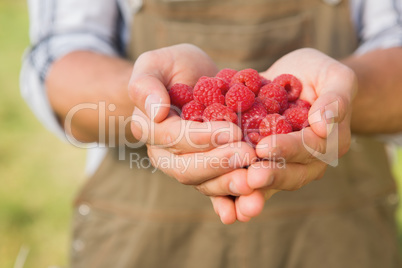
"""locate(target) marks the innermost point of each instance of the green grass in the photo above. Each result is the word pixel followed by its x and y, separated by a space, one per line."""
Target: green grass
pixel 398 173
pixel 38 173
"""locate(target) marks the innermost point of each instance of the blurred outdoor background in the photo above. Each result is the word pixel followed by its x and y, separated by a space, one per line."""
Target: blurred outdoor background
pixel 39 174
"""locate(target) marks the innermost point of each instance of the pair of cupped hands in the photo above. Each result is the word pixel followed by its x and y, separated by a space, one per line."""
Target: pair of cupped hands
pixel 212 156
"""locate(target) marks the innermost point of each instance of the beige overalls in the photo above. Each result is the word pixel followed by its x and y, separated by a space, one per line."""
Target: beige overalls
pixel 128 217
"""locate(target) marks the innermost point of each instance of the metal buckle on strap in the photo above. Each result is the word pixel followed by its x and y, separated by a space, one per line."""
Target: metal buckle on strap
pixel 332 2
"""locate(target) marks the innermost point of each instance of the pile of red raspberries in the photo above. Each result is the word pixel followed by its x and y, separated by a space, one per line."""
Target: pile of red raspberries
pixel 259 106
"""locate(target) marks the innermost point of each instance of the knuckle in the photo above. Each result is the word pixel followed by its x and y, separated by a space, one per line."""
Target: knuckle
pixel 321 147
pixel 184 178
pixel 343 104
pixel 147 56
pixel 176 151
pixel 149 151
pixel 321 173
pixel 180 177
pixel 199 138
pixel 151 156
pixel 202 189
pixel 135 84
pixel 167 137
pixel 347 73
pixel 344 148
pixel 301 181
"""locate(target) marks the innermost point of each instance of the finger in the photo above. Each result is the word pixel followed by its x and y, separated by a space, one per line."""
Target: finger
pixel 194 169
pixel 225 208
pixel 335 92
pixel 327 110
pixel 148 91
pixel 306 146
pixel 249 206
pixel 328 84
pixel 291 147
pixel 155 71
pixel 291 177
pixel 181 136
pixel 233 183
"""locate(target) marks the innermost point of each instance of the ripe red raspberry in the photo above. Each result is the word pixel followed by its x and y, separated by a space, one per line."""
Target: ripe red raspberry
pixel 291 84
pixel 250 120
pixel 248 77
pixel 253 138
pixel 219 112
pixel 193 111
pixel 300 103
pixel 239 98
pixel 226 74
pixel 297 117
pixel 208 90
pixel 274 124
pixel 271 105
pixel 276 92
pixel 264 81
pixel 180 94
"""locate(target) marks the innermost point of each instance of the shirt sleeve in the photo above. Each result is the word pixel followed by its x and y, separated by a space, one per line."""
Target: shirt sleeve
pixel 378 24
pixel 56 29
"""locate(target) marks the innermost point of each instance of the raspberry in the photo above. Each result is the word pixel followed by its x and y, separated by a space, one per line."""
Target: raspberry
pixel 193 111
pixel 180 94
pixel 297 117
pixel 253 138
pixel 250 120
pixel 248 77
pixel 209 90
pixel 274 124
pixel 219 112
pixel 271 105
pixel 226 74
pixel 276 92
pixel 300 103
pixel 239 98
pixel 264 81
pixel 291 84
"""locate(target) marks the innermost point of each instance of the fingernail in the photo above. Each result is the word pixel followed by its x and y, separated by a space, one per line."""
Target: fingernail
pixel 133 116
pixel 152 105
pixel 329 115
pixel 223 138
pixel 233 189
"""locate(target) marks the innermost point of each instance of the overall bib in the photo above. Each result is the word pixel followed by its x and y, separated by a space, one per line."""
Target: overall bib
pixel 127 216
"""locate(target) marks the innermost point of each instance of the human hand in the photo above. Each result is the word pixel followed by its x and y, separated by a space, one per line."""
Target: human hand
pixel 156 71
pixel 199 154
pixel 330 87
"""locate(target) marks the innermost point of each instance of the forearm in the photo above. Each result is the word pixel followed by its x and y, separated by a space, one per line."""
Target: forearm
pixel 96 81
pixel 377 106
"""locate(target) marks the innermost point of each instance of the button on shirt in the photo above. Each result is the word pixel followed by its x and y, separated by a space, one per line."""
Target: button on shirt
pixel 60 27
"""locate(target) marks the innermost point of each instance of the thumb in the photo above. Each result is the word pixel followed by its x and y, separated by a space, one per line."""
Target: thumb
pixel 330 108
pixel 150 95
pixel 335 93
